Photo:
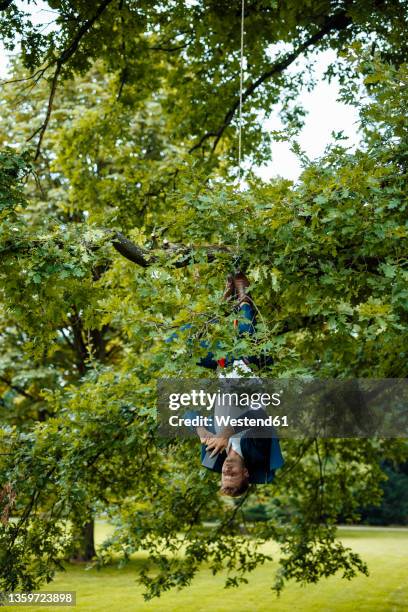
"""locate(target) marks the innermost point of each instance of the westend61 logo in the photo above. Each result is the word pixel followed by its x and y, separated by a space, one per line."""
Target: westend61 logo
pixel 208 401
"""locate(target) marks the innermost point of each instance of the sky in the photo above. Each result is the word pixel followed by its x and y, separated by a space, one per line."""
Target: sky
pixel 325 114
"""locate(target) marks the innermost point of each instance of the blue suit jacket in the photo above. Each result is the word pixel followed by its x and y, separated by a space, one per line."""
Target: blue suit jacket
pixel 262 455
pixel 246 324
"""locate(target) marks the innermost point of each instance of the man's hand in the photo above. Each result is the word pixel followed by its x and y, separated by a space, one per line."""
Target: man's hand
pixel 204 435
pixel 217 444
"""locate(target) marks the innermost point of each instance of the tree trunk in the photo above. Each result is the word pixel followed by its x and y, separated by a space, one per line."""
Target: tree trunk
pixel 84 542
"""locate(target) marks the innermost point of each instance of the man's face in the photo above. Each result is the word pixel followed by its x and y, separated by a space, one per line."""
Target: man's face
pixel 234 471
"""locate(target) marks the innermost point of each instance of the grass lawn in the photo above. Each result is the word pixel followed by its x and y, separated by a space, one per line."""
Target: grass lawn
pixel 386 589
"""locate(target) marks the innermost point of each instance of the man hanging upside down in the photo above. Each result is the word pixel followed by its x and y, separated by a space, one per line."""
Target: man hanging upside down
pixel 242 456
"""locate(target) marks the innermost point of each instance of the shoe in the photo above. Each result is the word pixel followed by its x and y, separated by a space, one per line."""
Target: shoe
pixel 240 283
pixel 229 290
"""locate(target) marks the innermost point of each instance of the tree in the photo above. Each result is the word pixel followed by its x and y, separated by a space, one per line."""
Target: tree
pixel 194 48
pixel 83 329
pixel 76 343
pixel 394 504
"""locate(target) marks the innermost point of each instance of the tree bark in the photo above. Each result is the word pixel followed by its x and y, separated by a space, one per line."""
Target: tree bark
pixel 84 542
pixel 145 258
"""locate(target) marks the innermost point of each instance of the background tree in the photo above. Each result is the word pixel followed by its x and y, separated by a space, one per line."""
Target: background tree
pixel 394 505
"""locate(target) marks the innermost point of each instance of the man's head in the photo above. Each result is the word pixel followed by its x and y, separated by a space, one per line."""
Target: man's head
pixel 234 475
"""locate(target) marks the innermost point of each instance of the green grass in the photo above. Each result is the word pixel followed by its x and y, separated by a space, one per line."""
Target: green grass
pixel 386 589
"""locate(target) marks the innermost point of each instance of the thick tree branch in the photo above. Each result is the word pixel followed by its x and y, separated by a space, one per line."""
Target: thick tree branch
pixel 130 250
pixel 337 22
pixel 182 255
pixel 185 255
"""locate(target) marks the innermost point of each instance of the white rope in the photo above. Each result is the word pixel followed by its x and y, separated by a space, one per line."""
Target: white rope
pixel 241 86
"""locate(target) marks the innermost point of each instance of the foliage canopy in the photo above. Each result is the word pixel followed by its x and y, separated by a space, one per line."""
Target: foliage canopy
pixel 133 103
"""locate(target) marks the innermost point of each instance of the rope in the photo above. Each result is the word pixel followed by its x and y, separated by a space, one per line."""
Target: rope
pixel 241 81
pixel 236 264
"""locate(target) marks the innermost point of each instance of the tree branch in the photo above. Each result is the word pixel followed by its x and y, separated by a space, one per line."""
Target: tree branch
pixel 66 54
pixel 130 250
pixel 67 339
pixel 4 5
pixel 19 389
pixel 79 343
pixel 145 258
pixel 337 22
pixel 44 125
pixel 183 255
